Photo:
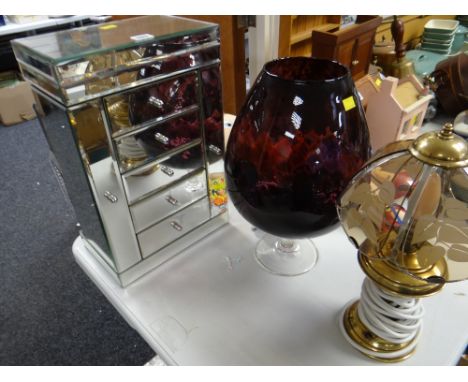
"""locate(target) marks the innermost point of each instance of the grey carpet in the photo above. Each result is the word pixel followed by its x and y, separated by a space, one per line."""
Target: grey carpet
pixel 50 312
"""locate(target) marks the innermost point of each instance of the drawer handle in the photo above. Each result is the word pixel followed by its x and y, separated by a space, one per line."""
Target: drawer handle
pixel 215 149
pixel 156 102
pixel 176 226
pixel 161 138
pixel 166 170
pixel 111 197
pixel 354 62
pixel 172 200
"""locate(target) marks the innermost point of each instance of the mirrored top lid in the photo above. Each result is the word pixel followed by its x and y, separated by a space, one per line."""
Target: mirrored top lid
pixel 57 47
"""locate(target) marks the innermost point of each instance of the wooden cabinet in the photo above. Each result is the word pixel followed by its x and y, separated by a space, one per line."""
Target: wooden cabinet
pixel 351 46
pixel 323 36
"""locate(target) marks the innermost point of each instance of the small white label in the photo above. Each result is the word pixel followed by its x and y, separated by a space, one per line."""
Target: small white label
pixel 140 37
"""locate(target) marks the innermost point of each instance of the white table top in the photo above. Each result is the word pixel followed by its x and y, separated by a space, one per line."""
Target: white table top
pixel 214 305
pixel 12 28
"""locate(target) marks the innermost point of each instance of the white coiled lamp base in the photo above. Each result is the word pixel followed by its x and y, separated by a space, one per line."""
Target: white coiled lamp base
pixel 382 325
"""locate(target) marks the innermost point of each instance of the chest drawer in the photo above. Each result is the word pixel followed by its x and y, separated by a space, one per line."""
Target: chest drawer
pixel 165 172
pixel 160 206
pixel 148 103
pixel 161 138
pixel 173 227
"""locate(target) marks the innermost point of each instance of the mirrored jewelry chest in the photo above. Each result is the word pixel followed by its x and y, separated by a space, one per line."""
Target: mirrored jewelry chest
pixel 132 111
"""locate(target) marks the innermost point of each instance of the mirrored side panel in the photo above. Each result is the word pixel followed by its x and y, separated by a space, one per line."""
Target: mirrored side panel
pixel 79 142
pixel 67 160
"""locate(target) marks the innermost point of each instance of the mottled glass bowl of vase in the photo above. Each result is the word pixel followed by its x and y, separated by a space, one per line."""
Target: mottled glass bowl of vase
pixel 298 140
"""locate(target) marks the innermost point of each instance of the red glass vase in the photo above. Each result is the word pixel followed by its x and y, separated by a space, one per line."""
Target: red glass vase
pixel 298 140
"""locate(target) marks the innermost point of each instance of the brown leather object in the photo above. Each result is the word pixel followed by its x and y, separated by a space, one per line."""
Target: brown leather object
pixel 451 80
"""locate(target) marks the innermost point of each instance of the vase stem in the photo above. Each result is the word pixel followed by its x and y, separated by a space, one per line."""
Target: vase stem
pixel 286 257
pixel 287 246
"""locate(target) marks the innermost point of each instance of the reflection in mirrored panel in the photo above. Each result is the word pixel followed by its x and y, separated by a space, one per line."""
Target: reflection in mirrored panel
pixel 63 144
pixel 217 188
pixel 152 178
pixel 46 83
pixel 90 133
pixel 94 61
pixel 179 133
pixel 149 103
pixel 213 112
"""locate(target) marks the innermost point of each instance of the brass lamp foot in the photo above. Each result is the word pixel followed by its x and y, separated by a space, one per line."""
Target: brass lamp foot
pixel 382 327
pixel 369 344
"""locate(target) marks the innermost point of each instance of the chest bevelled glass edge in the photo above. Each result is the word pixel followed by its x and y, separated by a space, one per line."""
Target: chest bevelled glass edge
pixel 103 71
pixel 144 30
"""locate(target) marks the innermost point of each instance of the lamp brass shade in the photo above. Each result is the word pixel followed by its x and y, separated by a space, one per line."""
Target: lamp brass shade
pixel 408 209
pixel 443 148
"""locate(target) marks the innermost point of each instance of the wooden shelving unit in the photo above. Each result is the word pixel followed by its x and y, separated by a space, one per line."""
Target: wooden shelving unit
pixel 307 34
pixel 296 32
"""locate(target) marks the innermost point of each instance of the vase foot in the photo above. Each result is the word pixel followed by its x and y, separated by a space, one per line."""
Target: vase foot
pixel 286 257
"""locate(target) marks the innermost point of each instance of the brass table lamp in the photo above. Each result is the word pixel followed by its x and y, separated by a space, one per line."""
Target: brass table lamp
pixel 407 213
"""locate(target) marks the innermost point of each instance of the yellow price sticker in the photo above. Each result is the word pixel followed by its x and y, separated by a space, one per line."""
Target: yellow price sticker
pixel 348 103
pixel 378 82
pixel 108 26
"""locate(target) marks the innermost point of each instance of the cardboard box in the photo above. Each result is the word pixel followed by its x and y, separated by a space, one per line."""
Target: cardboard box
pixel 8 78
pixel 16 100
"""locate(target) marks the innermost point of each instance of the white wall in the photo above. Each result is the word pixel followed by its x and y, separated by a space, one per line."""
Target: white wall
pixel 263 43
